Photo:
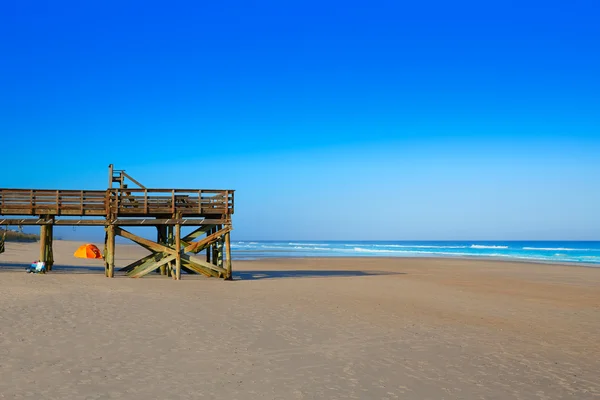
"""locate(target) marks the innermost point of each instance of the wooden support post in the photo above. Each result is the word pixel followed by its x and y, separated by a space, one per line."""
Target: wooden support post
pixel 110 250
pixel 228 275
pixel 220 252
pixel 215 249
pixel 170 240
pixel 43 242
pixel 178 250
pixel 105 252
pixel 110 176
pixel 162 239
pixel 49 246
pixel 209 248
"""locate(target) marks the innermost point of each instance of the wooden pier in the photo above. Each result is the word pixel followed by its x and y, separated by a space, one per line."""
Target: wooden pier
pixel 207 211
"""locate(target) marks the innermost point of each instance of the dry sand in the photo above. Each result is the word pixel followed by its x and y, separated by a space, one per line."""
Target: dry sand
pixel 300 329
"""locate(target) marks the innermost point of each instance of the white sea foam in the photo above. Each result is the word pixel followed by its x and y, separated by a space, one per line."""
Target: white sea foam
pixel 310 248
pixel 374 249
pixel 307 244
pixel 406 246
pixel 556 249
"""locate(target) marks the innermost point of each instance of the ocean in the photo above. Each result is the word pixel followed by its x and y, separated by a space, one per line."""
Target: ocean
pixel 537 251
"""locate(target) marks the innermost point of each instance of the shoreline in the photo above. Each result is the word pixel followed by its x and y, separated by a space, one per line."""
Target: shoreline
pixel 133 251
pixel 464 258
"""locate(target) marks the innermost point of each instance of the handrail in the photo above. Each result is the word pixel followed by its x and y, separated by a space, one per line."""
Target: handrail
pixel 142 202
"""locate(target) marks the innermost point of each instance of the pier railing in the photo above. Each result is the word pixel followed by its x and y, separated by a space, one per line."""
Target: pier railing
pixel 117 202
pixel 187 202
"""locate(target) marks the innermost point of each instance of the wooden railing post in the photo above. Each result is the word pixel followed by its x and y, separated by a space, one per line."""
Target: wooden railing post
pixel 110 176
pixel 200 202
pixel 173 201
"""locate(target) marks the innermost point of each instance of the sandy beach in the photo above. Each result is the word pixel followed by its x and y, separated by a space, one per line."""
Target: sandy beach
pixel 359 328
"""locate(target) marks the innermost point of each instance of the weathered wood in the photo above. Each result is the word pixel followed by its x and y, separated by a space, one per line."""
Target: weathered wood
pixel 110 250
pixel 229 273
pixel 198 246
pixel 110 175
pixel 139 262
pixel 208 248
pixel 178 255
pixel 116 207
pixel 118 201
pixel 105 253
pixel 43 242
pixel 49 248
pixel 202 263
pixel 187 240
pixel 198 269
pixel 162 238
pixel 149 260
pixel 148 244
pixel 220 252
pixel 215 248
pixel 152 267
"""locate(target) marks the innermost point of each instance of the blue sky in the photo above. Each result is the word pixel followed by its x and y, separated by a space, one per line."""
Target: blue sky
pixel 332 120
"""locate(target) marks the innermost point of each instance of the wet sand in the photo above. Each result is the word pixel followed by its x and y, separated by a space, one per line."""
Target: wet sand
pixel 364 328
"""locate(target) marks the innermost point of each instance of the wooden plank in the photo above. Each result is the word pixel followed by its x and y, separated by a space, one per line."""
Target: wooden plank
pixel 199 246
pixel 137 263
pixel 148 244
pixel 152 267
pixel 142 263
pixel 202 263
pixel 199 269
pixel 196 233
pixel 132 180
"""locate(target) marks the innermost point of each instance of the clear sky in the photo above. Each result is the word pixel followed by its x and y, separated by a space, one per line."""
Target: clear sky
pixel 332 119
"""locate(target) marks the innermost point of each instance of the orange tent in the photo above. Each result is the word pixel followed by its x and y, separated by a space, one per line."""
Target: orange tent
pixel 88 251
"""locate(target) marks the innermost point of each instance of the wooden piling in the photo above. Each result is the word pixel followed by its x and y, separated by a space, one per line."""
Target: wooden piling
pixel 209 248
pixel 228 275
pixel 49 247
pixel 162 239
pixel 178 250
pixel 105 251
pixel 43 242
pixel 220 246
pixel 110 250
pixel 215 249
pixel 170 267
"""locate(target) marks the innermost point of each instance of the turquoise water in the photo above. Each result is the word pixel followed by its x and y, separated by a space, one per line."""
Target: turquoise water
pixel 547 251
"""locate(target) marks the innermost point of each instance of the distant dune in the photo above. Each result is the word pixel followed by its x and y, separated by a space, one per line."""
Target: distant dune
pixel 12 236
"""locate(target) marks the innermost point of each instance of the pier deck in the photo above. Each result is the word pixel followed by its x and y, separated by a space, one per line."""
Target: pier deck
pixel 208 210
